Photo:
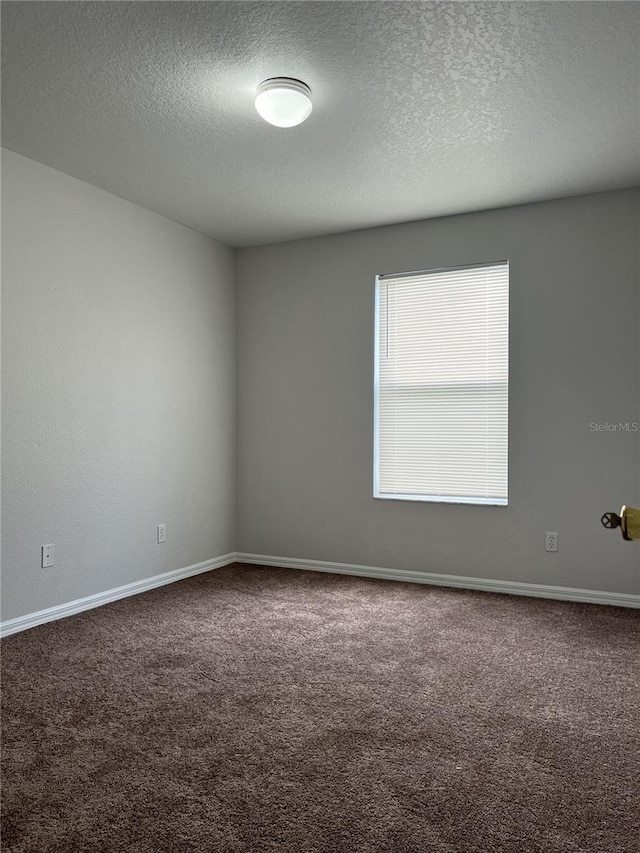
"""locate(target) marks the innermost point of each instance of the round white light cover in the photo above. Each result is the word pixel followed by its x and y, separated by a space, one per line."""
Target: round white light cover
pixel 283 101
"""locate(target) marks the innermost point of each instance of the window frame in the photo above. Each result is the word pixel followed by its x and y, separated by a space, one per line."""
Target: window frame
pixel 447 499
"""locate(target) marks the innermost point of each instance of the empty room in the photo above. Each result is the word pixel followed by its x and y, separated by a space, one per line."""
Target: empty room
pixel 320 427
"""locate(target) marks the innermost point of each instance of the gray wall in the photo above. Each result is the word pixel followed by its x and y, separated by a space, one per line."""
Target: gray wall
pixel 118 390
pixel 119 394
pixel 305 397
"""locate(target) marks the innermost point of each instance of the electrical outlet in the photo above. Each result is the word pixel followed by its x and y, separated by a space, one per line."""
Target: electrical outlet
pixel 162 533
pixel 550 541
pixel 47 556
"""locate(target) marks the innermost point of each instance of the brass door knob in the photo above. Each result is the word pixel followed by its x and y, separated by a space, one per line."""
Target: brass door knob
pixel 628 521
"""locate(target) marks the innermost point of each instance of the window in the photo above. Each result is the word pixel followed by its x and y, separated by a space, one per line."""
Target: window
pixel 441 385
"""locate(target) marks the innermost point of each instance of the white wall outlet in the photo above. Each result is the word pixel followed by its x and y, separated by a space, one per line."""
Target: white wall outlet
pixel 47 556
pixel 162 533
pixel 550 541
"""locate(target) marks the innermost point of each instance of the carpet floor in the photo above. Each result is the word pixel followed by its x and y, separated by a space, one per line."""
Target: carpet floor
pixel 253 709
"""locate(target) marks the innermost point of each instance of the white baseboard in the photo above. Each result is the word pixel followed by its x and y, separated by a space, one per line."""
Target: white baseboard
pixel 561 593
pixel 21 623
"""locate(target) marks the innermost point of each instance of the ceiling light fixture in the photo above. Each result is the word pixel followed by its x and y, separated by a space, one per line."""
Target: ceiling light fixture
pixel 283 101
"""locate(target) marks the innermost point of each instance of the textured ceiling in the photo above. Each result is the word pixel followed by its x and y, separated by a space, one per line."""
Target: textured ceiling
pixel 420 109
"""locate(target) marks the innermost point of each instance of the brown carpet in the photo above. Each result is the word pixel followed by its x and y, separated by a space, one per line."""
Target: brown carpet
pixel 256 709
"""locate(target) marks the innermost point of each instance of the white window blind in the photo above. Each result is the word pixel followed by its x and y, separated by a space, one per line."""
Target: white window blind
pixel 441 385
